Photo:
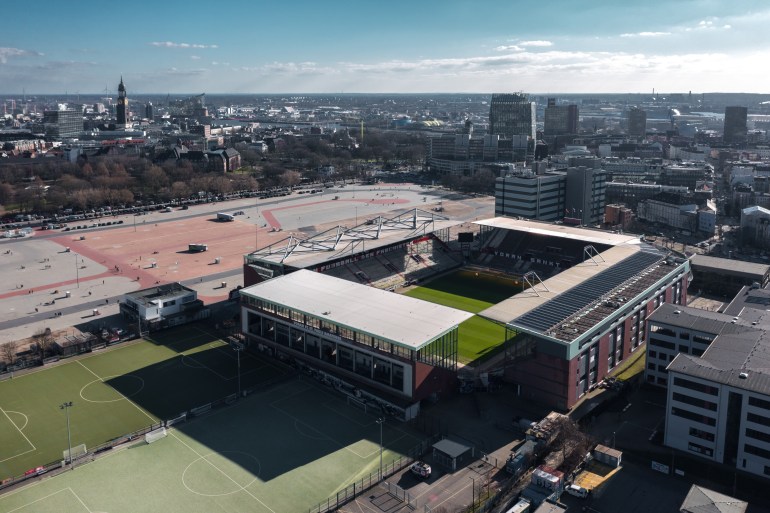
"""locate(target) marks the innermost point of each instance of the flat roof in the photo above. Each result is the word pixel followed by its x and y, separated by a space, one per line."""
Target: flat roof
pixel 587 235
pixel 729 266
pixel 697 319
pixel 402 320
pixel 617 274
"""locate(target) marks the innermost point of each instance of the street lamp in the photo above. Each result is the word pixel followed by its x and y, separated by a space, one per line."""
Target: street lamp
pixel 66 407
pixel 77 271
pixel 381 421
pixel 473 487
pixel 613 439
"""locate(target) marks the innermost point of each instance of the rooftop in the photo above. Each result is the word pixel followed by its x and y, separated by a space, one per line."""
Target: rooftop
pixel 167 290
pixel 703 500
pixel 586 235
pixel 401 320
pixel 729 266
pixel 340 241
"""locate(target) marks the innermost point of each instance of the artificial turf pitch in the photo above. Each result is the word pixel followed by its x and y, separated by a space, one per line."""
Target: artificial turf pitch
pixel 472 292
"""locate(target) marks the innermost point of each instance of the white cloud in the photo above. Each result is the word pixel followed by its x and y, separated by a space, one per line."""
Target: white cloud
pixel 536 43
pixel 646 34
pixel 170 44
pixel 195 57
pixel 6 53
pixel 509 48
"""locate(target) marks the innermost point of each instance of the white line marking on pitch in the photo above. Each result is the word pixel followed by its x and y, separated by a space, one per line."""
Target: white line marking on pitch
pixel 26 419
pixel 19 430
pixel 222 472
pixel 38 500
pixel 79 500
pixel 153 419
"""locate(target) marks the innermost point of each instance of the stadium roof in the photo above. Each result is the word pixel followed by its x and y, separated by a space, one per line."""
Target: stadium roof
pixel 401 320
pixel 560 230
pixel 341 240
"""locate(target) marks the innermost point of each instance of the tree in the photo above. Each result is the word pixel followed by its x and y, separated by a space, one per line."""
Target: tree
pixel 8 352
pixel 289 178
pixel 45 341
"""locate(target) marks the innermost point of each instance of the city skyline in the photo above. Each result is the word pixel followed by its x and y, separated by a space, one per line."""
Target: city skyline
pixel 558 46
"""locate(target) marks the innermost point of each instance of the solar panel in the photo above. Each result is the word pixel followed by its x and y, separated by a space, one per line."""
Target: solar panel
pixel 580 296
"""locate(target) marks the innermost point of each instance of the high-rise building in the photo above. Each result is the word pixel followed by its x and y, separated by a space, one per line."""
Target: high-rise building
pixel 60 124
pixel 511 115
pixel 149 111
pixel 735 129
pixel 560 119
pixel 637 122
pixel 530 195
pixel 586 190
pixel 121 112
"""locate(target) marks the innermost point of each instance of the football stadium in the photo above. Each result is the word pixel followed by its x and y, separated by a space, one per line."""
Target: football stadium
pixel 549 308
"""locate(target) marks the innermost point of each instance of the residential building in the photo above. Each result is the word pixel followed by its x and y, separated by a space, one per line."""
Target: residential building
pixel 755 226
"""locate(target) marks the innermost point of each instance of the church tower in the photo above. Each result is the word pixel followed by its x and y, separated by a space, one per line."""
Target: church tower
pixel 122 107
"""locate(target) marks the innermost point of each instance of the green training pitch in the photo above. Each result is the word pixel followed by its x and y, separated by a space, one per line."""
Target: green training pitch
pixel 285 449
pixel 471 292
pixel 116 392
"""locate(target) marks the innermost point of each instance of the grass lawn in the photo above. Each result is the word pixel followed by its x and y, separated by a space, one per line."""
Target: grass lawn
pixel 467 291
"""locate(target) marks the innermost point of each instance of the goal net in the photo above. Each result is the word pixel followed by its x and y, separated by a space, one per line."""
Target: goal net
pixel 156 435
pixel 357 403
pixel 77 452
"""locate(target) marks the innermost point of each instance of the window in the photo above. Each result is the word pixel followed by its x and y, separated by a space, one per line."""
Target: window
pixel 683 349
pixel 704 435
pixel 694 401
pixel 346 358
pixel 684 336
pixel 759 403
pixel 662 343
pixel 653 354
pixel 398 377
pixel 758 435
pixel 651 366
pixel 693 385
pixel 695 417
pixel 382 371
pixel 363 364
pixel 757 451
pixel 758 419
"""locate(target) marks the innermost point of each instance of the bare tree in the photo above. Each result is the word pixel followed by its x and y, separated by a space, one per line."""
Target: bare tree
pixel 45 341
pixel 8 352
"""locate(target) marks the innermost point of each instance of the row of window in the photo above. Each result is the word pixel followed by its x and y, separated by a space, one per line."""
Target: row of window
pixel 762 436
pixel 695 417
pixel 694 401
pixel 759 403
pixel 707 451
pixel 758 419
pixel 703 435
pixel 694 385
pixel 757 451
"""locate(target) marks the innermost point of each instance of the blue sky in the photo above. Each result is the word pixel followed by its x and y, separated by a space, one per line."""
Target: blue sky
pixel 347 46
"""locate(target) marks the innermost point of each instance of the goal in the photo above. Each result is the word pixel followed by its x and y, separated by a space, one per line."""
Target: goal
pixel 77 452
pixel 357 403
pixel 154 436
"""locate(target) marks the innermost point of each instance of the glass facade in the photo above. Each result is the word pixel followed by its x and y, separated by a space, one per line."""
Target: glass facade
pixel 372 358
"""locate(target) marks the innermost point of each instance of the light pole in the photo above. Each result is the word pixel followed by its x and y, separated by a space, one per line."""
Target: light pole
pixel 66 407
pixel 356 215
pixel 381 421
pixel 77 271
pixel 473 488
pixel 238 347
pixel 613 439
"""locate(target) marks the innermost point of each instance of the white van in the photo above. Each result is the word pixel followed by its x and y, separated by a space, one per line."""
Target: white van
pixel 577 491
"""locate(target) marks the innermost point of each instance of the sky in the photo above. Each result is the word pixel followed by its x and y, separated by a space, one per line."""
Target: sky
pixel 386 46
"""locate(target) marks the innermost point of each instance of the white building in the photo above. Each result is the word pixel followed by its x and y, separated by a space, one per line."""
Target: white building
pixel 163 306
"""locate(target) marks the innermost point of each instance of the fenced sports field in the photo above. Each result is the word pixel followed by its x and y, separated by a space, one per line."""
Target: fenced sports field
pixel 285 447
pixel 471 291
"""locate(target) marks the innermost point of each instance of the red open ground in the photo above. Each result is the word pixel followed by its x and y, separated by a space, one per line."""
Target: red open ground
pixel 165 244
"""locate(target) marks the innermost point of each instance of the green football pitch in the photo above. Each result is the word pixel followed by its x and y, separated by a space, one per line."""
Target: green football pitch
pixel 472 292
pixel 284 448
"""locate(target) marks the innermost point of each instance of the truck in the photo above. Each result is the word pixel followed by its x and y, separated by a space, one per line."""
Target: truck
pixel 197 248
pixel 520 459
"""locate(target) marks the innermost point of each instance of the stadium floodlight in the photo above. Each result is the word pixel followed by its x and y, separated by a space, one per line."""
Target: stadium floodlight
pixel 66 407
pixel 381 421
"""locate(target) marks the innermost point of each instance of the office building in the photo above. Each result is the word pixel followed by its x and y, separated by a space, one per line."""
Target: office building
pixel 637 122
pixel 735 128
pixel 530 195
pixel 62 124
pixel 512 115
pixel 149 111
pixel 121 110
pixel 585 194
pixel 560 119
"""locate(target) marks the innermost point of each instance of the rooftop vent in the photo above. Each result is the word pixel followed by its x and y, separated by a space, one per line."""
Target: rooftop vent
pixel 743 375
pixel 677 312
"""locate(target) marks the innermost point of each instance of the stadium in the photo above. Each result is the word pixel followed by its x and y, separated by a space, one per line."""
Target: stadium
pixel 549 308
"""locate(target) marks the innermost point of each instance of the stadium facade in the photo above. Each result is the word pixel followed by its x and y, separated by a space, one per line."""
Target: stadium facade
pixel 574 327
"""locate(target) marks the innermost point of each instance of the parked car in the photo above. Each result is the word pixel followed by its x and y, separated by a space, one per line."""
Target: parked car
pixel 421 469
pixel 577 491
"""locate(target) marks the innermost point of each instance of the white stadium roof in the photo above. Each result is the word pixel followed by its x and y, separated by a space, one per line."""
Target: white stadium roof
pixel 560 230
pixel 402 320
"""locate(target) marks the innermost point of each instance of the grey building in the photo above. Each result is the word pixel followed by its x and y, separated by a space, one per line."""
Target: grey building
pixel 560 119
pixel 511 115
pixel 585 198
pixel 637 122
pixel 61 124
pixel 532 196
pixel 735 128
